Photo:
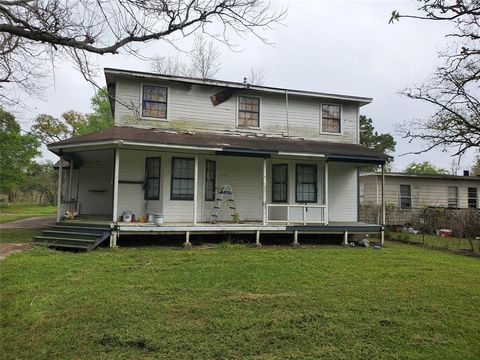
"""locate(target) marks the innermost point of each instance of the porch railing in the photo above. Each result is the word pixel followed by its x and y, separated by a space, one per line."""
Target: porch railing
pixel 297 213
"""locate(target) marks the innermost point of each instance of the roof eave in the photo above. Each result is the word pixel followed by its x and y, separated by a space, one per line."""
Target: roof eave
pixel 229 84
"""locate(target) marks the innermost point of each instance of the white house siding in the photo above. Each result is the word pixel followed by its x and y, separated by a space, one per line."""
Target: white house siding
pixel 342 192
pixel 95 190
pixel 245 175
pixel 190 108
pixel 425 191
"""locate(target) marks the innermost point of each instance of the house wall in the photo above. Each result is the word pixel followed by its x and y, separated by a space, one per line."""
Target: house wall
pixel 342 192
pixel 425 192
pixel 245 175
pixel 190 108
pixel 95 177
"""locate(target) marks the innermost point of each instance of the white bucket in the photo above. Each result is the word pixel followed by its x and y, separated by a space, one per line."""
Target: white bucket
pixel 127 216
pixel 158 219
pixel 150 218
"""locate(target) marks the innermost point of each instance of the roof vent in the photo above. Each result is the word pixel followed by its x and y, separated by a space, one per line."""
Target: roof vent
pixel 466 173
pixel 245 81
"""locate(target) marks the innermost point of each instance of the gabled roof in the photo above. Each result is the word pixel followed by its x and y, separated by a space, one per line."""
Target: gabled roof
pixel 111 74
pixel 221 143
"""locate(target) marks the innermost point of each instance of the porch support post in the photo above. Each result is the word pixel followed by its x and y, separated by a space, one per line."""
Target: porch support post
pixel 326 194
pixel 70 181
pixel 195 191
pixel 264 193
pixel 295 239
pixel 59 189
pixel 345 239
pixel 257 238
pixel 116 170
pixel 187 244
pixel 382 235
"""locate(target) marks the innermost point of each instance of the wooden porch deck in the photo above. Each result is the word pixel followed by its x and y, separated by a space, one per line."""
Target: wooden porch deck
pixel 244 227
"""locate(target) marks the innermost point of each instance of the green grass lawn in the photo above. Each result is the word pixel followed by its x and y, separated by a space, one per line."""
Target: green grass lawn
pixel 18 211
pixel 241 302
pixel 18 235
pixel 449 243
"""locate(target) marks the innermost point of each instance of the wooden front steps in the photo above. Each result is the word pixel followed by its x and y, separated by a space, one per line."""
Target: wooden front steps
pixel 74 236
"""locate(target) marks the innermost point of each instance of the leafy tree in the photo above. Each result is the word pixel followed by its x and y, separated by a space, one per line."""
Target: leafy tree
pixel 454 88
pixel 42 178
pixel 476 167
pixel 384 143
pixel 72 123
pixel 424 168
pixel 17 153
pixel 101 117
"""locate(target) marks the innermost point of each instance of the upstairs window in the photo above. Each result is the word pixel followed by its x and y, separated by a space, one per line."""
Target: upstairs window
pixel 154 101
pixel 248 111
pixel 472 197
pixel 331 119
pixel 210 175
pixel 405 197
pixel 452 197
pixel 183 178
pixel 152 178
pixel 279 183
pixel 306 183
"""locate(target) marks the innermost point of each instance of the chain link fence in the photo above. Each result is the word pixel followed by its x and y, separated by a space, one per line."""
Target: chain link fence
pixel 424 224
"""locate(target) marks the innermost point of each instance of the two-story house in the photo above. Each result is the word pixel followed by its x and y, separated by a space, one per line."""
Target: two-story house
pixel 290 157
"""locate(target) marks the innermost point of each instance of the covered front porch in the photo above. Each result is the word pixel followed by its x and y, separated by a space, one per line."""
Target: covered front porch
pixel 273 190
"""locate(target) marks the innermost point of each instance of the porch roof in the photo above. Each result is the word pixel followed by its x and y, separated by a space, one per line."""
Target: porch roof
pixel 227 144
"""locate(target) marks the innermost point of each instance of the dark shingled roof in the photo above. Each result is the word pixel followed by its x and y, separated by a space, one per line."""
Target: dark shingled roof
pixel 231 143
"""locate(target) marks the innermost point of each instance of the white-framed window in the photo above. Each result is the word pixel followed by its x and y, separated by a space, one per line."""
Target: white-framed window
pixel 331 118
pixel 306 183
pixel 152 178
pixel 248 112
pixel 361 193
pixel 453 197
pixel 472 197
pixel 405 196
pixel 154 101
pixel 210 179
pixel 183 178
pixel 279 183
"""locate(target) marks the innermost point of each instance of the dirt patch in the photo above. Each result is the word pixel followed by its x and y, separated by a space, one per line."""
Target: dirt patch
pixel 11 248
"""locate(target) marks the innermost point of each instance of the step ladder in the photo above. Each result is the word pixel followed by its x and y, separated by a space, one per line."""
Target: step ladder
pixel 226 192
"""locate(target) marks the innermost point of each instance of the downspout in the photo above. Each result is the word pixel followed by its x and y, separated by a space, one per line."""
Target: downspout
pixel 286 108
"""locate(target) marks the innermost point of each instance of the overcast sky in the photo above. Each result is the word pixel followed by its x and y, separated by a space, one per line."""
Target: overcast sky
pixel 343 47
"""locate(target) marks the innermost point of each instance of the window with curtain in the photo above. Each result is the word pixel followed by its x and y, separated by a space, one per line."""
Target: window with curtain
pixel 210 175
pixel 183 177
pixel 405 197
pixel 306 183
pixel 331 119
pixel 152 178
pixel 279 183
pixel 154 101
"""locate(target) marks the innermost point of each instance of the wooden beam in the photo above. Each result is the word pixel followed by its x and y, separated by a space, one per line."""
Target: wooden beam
pixel 326 193
pixel 264 192
pixel 59 189
pixel 195 191
pixel 383 206
pixel 116 170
